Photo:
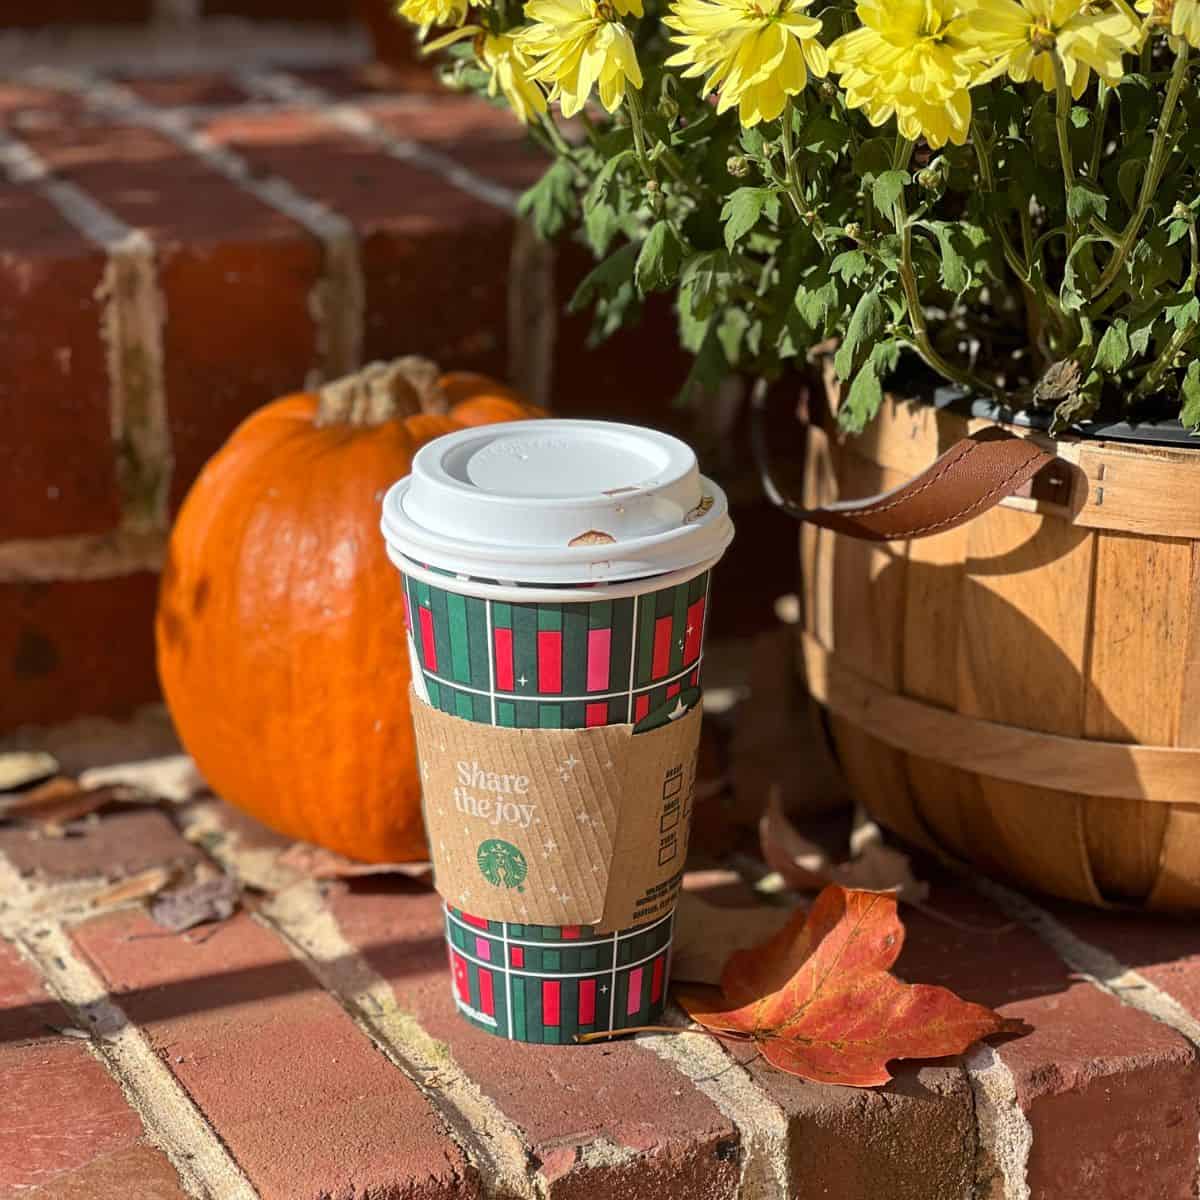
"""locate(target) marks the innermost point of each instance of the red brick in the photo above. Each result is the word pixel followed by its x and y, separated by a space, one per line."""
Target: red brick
pixel 173 91
pixel 66 1131
pixel 304 1102
pixel 24 103
pixel 1113 1096
pixel 57 468
pixel 73 648
pixel 563 1097
pixel 349 82
pixel 236 276
pixel 1165 950
pixel 489 141
pixel 434 259
pixel 120 842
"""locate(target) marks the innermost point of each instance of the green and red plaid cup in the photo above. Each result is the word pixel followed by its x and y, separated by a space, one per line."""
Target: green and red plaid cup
pixel 632 660
pixel 556 576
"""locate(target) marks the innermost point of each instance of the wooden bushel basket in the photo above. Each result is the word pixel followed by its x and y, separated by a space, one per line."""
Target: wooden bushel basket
pixel 1020 691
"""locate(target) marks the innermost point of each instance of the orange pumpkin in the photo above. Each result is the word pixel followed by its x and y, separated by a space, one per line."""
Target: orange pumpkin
pixel 280 627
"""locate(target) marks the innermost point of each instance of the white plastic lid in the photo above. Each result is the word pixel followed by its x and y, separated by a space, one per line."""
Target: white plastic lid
pixel 557 502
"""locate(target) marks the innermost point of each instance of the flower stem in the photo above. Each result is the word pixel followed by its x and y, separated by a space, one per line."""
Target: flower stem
pixel 639 134
pixel 1150 181
pixel 790 165
pixel 1062 123
pixel 1165 361
pixel 912 292
pixel 557 141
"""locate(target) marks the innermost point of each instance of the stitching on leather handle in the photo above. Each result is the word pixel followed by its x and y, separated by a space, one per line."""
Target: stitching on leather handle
pixel 904 499
pixel 1000 487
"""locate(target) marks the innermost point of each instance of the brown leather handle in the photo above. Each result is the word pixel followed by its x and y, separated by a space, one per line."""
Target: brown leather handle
pixel 973 476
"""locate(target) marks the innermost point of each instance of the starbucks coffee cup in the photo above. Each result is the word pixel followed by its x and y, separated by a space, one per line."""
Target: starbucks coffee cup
pixel 556 579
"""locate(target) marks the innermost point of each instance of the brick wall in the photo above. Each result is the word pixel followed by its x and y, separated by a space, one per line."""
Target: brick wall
pixel 177 250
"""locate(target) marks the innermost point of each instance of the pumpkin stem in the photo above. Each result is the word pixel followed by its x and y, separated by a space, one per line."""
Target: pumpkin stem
pixel 381 392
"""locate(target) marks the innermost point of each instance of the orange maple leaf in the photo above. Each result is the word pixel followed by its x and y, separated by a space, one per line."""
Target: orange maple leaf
pixel 819 1001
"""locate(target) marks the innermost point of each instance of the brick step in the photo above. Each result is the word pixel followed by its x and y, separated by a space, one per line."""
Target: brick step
pixel 176 250
pixel 311 1049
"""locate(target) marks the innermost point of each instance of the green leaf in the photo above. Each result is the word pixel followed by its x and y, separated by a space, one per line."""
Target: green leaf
pixel 1086 201
pixel 743 209
pixel 1114 350
pixel 850 265
pixel 866 324
pixel 874 156
pixel 1189 418
pixel 709 367
pixel 862 400
pixel 551 203
pixel 888 188
pixel 815 300
pixel 955 273
pixel 1080 266
pixel 1129 180
pixel 605 279
pixel 659 259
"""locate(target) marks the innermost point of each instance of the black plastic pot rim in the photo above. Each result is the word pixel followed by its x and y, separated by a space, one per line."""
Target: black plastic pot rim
pixel 1166 432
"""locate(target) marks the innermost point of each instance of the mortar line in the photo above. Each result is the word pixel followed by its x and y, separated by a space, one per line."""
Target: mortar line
pixel 82 556
pixel 132 316
pixel 492 1144
pixel 1097 966
pixel 337 303
pixel 172 1121
pixel 1003 1133
pixel 761 1123
pixel 357 120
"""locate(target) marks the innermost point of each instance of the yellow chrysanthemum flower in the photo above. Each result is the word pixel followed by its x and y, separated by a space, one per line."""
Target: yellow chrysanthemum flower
pixel 1182 17
pixel 507 66
pixel 756 53
pixel 1024 37
pixel 510 75
pixel 576 45
pixel 910 60
pixel 426 13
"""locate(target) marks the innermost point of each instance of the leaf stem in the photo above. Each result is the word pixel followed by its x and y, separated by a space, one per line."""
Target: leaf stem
pixel 605 1035
pixel 1150 181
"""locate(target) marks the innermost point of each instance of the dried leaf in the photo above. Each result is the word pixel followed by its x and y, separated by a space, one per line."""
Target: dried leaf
pixel 20 768
pixel 196 904
pixel 803 864
pixel 136 887
pixel 1061 379
pixel 706 934
pixel 173 777
pixel 59 801
pixel 318 863
pixel 819 1001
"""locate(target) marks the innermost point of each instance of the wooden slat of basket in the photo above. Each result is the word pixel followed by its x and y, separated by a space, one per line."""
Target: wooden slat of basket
pixel 1139 631
pixel 1152 774
pixel 1177 885
pixel 1022 652
pixel 944 796
pixel 867 632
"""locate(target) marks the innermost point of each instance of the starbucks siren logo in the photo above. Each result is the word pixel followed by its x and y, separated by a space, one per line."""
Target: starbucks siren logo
pixel 502 864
